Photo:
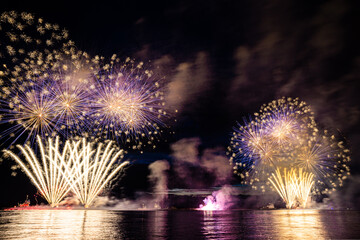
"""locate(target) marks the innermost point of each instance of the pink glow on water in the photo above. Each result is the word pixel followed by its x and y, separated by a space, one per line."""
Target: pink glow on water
pixel 210 204
pixel 219 200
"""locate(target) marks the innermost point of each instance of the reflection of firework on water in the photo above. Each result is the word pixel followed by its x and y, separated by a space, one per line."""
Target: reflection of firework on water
pixel 293 187
pixel 45 174
pixel 129 103
pixel 78 167
pixel 284 134
pixel 91 170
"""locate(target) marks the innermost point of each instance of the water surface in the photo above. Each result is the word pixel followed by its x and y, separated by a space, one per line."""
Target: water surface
pixel 179 224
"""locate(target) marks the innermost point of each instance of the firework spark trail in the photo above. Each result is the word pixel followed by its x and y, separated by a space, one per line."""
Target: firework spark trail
pixel 305 184
pixel 89 175
pixel 29 47
pixel 284 185
pixel 293 186
pixel 46 174
pixel 73 169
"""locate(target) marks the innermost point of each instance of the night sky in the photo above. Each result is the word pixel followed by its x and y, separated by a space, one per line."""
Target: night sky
pixel 222 60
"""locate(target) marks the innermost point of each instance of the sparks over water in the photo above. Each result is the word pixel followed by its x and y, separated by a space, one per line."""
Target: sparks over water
pixel 284 135
pixel 89 174
pixel 46 174
pixel 293 186
pixel 75 169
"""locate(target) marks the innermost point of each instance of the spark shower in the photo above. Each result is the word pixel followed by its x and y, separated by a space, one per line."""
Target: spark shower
pixel 77 168
pixel 282 149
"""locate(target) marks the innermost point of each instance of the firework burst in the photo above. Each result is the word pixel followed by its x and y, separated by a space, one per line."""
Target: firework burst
pixel 256 154
pixel 284 135
pixel 129 104
pixel 327 159
pixel 50 88
pixel 54 105
pixel 71 90
pixel 30 110
pixel 45 80
pixel 29 47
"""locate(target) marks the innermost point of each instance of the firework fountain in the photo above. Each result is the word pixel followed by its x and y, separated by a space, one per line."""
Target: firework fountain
pixel 294 188
pixel 46 174
pixel 72 169
pixel 89 175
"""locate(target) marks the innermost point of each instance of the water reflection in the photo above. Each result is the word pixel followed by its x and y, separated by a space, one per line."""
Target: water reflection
pixel 285 224
pixel 281 224
pixel 298 224
pixel 59 224
pixel 158 227
pixel 220 225
pixel 179 224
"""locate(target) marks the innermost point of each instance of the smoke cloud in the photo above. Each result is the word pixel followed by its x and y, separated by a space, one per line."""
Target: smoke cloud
pixel 347 197
pixel 158 177
pixel 190 81
pixel 196 168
